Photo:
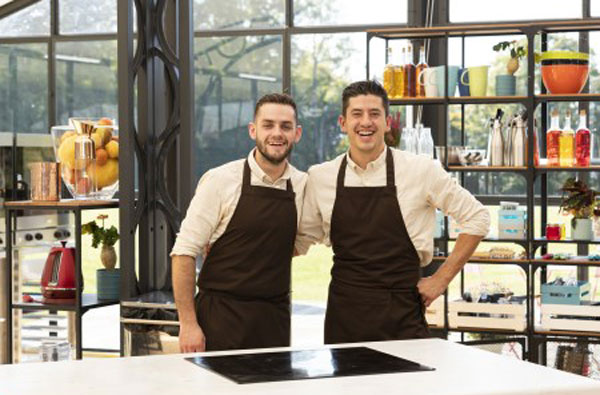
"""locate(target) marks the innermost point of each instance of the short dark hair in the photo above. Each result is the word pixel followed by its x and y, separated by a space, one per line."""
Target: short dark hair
pixel 367 87
pixel 276 98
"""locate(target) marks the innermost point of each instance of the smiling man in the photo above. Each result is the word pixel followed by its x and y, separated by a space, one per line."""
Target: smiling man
pixel 376 207
pixel 245 215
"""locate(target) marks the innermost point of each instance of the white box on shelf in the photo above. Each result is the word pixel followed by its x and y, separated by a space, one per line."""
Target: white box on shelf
pixel 487 315
pixel 570 317
pixel 512 224
pixel 434 314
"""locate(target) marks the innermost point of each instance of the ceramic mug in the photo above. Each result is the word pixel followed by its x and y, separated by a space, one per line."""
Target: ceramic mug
pixel 452 79
pixel 478 77
pixel 427 79
pixel 463 88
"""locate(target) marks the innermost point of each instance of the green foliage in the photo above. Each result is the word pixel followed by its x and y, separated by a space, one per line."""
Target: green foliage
pixel 578 199
pixel 100 234
pixel 516 51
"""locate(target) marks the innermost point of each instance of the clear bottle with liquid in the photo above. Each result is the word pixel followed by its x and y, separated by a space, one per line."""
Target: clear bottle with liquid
pixel 583 142
pixel 552 140
pixel 420 88
pixel 399 77
pixel 566 143
pixel 410 82
pixel 388 76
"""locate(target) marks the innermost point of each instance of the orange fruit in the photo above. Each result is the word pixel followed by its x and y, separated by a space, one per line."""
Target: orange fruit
pixel 105 121
pixel 101 156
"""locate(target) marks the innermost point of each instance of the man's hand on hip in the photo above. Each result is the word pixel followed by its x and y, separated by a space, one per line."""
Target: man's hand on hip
pixel 431 288
pixel 191 338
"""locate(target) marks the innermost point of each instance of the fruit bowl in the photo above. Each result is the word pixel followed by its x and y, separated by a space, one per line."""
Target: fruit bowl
pixel 564 72
pixel 105 173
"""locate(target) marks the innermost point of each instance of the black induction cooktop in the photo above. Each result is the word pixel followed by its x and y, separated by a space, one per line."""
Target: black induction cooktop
pixel 308 364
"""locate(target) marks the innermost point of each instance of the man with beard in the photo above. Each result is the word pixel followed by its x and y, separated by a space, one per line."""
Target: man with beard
pixel 244 215
pixel 376 207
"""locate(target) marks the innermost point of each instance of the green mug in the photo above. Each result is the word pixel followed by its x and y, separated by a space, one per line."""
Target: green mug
pixel 478 77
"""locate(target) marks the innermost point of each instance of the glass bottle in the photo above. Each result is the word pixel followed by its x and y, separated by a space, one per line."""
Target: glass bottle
pixel 552 140
pixel 399 77
pixel 409 73
pixel 388 76
pixel 582 142
pixel 426 142
pixel 420 88
pixel 567 143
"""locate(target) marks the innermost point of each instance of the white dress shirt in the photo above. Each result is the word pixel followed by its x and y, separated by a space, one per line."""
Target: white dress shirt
pixel 422 186
pixel 216 198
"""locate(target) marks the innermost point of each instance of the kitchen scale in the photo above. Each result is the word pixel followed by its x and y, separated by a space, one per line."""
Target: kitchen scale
pixel 306 364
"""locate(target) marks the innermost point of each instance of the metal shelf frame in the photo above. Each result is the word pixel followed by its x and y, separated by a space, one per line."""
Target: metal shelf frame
pixel 83 303
pixel 531 101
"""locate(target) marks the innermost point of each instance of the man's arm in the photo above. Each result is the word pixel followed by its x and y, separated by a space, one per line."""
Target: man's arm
pixel 200 222
pixel 474 218
pixel 432 287
pixel 191 337
pixel 310 229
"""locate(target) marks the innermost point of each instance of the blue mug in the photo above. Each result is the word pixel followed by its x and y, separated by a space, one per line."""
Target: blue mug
pixel 463 87
pixel 452 79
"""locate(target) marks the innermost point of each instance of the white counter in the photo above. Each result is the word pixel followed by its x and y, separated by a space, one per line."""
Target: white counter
pixel 459 370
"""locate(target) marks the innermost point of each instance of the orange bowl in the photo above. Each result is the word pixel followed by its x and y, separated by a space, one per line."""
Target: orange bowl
pixel 564 72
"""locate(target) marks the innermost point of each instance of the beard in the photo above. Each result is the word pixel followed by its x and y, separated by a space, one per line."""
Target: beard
pixel 273 158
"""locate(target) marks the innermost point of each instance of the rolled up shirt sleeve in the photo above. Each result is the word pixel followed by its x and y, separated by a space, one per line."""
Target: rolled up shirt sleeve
pixel 310 230
pixel 201 219
pixel 447 195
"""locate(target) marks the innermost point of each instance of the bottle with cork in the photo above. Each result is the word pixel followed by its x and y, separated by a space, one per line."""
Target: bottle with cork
pixel 409 73
pixel 552 140
pixel 566 143
pixel 399 77
pixel 420 87
pixel 583 142
pixel 388 76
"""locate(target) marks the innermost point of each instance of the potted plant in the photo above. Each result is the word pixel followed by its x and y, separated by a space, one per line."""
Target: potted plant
pixel 506 83
pixel 107 279
pixel 579 200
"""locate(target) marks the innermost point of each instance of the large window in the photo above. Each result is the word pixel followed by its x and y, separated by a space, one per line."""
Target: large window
pixel 232 73
pixel 23 88
pixel 31 21
pixel 513 10
pixel 238 14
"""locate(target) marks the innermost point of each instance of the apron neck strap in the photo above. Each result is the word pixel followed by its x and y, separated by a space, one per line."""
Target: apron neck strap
pixel 390 171
pixel 389 166
pixel 246 179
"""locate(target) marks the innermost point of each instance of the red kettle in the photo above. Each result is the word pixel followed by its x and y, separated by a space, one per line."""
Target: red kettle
pixel 58 277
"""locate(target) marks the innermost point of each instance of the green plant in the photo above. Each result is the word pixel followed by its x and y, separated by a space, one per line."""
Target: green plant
pixel 100 234
pixel 516 52
pixel 578 199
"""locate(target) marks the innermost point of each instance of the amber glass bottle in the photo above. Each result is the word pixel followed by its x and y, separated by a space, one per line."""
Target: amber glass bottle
pixel 420 87
pixel 410 83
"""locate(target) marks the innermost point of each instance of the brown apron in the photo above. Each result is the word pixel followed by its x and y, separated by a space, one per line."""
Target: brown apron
pixel 373 292
pixel 244 297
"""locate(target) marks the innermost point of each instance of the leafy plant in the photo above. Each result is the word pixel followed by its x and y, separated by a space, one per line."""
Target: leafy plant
pixel 100 234
pixel 578 199
pixel 516 52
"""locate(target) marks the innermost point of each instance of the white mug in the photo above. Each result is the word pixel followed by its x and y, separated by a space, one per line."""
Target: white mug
pixel 427 79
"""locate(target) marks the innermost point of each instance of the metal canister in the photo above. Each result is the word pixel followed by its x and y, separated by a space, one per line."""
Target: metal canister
pixel 496 150
pixel 45 181
pixel 85 163
pixel 519 143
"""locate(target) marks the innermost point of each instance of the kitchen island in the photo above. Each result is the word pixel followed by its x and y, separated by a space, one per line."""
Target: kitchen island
pixel 459 369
